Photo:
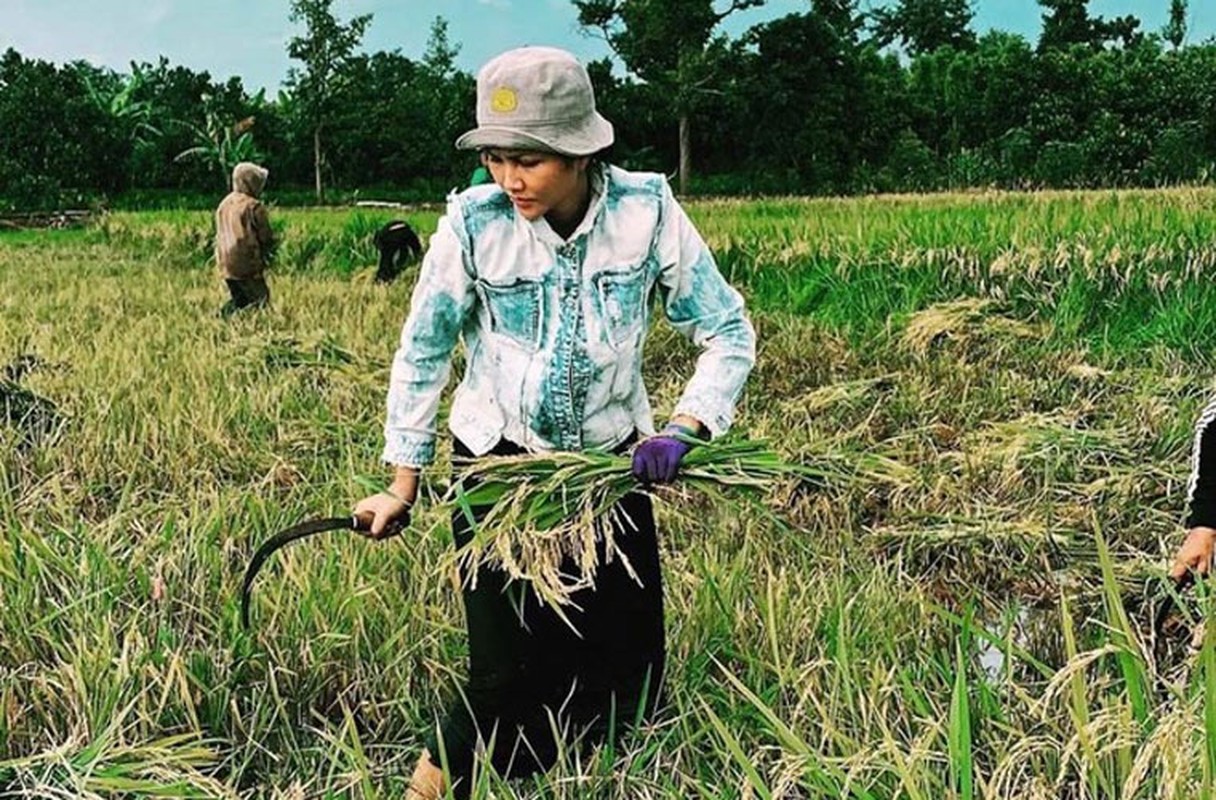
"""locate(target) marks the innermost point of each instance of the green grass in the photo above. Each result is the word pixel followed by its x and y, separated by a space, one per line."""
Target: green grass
pixel 1021 371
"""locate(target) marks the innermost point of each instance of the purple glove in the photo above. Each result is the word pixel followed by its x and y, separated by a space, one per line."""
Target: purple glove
pixel 657 459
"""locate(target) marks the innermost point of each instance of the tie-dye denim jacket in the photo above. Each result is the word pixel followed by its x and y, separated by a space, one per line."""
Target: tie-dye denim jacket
pixel 554 329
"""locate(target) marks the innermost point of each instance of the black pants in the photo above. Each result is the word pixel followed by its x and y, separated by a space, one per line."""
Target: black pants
pixel 251 293
pixel 529 673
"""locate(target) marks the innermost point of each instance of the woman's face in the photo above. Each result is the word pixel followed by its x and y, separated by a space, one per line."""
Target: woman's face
pixel 539 184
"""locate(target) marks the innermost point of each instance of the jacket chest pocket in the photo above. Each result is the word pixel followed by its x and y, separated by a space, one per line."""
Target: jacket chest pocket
pixel 515 310
pixel 621 297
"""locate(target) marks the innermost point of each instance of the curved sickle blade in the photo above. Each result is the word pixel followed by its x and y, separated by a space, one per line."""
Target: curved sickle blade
pixel 286 537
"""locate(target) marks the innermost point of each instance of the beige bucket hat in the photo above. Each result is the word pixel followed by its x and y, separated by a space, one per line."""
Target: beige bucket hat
pixel 537 98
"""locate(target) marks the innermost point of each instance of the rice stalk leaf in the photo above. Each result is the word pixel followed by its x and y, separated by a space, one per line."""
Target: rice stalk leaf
pixel 1207 658
pixel 736 750
pixel 961 759
pixel 1131 655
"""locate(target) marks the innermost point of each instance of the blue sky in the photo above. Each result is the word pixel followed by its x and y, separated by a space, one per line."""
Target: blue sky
pixel 248 37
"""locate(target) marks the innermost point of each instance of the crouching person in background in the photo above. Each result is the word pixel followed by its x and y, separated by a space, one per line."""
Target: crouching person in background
pixel 397 244
pixel 244 241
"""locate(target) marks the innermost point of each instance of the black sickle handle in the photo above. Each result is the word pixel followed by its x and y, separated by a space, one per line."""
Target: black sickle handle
pixel 285 537
pixel 1181 584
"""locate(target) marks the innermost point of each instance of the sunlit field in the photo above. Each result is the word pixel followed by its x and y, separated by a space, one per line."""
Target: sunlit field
pixel 1009 382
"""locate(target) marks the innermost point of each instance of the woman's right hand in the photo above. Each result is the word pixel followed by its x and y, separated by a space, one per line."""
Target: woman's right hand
pixel 383 515
pixel 1195 555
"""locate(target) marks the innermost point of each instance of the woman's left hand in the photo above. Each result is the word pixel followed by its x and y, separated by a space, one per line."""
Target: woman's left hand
pixel 657 459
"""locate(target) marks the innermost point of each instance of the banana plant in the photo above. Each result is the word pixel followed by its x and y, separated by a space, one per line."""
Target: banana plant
pixel 118 100
pixel 219 144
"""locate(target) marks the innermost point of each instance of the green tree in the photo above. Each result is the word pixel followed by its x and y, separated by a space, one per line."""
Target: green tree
pixel 1175 30
pixel 325 49
pixel 58 145
pixel 1068 22
pixel 842 16
pixel 125 101
pixel 447 99
pixel 1065 23
pixel 668 43
pixel 808 104
pixel 176 94
pixel 398 118
pixel 440 54
pixel 923 26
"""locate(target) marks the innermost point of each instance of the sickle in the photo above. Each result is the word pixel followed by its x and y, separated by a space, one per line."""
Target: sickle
pixel 1181 584
pixel 308 528
pixel 1165 607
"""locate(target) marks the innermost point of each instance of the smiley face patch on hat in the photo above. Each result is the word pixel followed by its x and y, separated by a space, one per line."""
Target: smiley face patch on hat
pixel 503 100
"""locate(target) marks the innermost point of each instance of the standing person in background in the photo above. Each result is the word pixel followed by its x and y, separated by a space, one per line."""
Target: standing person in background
pixel 549 275
pixel 244 241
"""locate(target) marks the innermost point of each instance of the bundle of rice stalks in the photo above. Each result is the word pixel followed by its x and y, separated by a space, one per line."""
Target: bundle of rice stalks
pixel 843 393
pixel 546 518
pixel 962 321
pixel 1063 439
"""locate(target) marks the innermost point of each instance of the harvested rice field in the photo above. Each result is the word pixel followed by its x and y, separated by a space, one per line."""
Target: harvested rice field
pixel 991 398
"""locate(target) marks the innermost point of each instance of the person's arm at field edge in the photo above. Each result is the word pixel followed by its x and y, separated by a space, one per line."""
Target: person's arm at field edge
pixel 702 306
pixel 1195 555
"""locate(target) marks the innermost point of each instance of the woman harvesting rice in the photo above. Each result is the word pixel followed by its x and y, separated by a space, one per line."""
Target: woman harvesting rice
pixel 548 275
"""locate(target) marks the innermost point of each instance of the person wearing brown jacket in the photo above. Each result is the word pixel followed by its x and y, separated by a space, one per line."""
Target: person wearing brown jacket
pixel 243 239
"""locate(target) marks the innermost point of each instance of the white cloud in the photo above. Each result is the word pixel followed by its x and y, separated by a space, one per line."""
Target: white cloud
pixel 502 4
pixel 157 13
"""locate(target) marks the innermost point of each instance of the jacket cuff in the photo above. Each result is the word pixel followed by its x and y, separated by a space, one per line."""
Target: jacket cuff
pixel 1202 514
pixel 717 422
pixel 404 450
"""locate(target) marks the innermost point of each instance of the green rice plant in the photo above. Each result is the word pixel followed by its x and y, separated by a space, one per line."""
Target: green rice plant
pixel 960 744
pixel 173 766
pixel 1073 677
pixel 1131 654
pixel 818 773
pixel 1207 660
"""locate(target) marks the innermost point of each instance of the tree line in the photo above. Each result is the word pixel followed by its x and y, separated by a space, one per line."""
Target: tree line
pixel 834 100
